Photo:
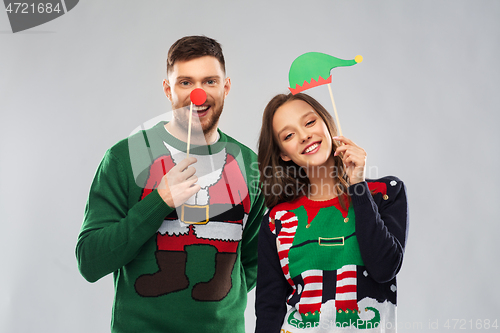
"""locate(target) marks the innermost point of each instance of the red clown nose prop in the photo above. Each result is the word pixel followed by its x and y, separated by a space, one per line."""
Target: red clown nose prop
pixel 198 96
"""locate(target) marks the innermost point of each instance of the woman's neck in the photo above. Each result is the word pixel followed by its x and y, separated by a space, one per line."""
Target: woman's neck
pixel 322 181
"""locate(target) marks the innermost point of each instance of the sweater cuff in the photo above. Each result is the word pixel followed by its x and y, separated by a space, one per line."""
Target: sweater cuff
pixel 359 193
pixel 154 209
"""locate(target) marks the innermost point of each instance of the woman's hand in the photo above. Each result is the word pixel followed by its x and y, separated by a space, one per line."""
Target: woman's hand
pixel 354 158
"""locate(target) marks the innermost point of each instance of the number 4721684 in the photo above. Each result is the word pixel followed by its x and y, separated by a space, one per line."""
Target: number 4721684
pixel 478 324
pixel 25 8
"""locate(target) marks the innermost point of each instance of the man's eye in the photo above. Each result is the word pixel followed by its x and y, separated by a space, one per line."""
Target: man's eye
pixel 211 82
pixel 184 83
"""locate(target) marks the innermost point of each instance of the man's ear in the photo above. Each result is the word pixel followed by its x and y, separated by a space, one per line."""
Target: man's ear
pixel 227 86
pixel 284 157
pixel 167 89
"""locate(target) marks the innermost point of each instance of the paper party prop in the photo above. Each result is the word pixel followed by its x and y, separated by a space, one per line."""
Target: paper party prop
pixel 312 69
pixel 198 96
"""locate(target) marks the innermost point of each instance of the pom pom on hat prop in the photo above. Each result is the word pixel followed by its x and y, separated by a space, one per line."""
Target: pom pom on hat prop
pixel 198 96
pixel 312 69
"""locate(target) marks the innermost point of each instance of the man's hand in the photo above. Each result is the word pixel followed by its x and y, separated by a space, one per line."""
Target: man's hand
pixel 178 184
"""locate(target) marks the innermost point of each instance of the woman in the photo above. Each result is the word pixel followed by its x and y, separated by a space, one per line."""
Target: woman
pixel 332 242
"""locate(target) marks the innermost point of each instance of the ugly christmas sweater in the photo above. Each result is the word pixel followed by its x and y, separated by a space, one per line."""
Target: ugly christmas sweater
pixel 175 270
pixel 334 265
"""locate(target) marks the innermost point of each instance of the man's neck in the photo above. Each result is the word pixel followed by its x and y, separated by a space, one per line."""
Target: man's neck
pixel 198 138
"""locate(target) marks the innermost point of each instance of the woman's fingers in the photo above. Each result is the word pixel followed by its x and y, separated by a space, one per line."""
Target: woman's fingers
pixel 344 140
pixel 354 158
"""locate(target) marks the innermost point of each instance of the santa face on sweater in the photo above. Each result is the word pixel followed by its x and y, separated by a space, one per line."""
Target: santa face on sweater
pixel 214 217
pixel 211 200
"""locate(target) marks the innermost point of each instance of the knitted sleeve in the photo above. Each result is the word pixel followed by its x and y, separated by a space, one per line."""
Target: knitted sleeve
pixel 250 241
pixel 381 226
pixel 272 287
pixel 112 232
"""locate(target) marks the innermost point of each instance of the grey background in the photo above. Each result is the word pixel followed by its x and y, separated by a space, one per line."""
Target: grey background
pixel 424 104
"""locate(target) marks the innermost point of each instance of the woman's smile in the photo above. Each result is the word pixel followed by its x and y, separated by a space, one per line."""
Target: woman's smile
pixel 312 148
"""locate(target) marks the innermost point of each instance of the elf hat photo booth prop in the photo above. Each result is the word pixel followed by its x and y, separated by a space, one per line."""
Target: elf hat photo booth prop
pixel 312 69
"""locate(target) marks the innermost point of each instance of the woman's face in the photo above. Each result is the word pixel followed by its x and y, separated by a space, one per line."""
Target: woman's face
pixel 302 134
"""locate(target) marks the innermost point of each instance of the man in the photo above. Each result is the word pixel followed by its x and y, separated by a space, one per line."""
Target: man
pixel 178 232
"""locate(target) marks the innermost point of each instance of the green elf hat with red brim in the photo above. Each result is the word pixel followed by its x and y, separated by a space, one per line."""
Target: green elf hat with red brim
pixel 312 69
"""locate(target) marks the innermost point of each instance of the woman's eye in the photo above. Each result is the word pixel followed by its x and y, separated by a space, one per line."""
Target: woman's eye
pixel 287 137
pixel 310 122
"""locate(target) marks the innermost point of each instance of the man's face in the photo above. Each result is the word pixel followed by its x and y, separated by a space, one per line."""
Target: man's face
pixel 205 73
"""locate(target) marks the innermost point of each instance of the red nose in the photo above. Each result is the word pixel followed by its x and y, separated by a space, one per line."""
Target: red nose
pixel 198 96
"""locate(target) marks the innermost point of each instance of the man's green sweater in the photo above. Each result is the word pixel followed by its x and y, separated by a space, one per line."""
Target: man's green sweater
pixel 175 270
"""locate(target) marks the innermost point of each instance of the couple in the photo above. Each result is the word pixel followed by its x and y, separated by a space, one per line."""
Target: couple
pixel 181 232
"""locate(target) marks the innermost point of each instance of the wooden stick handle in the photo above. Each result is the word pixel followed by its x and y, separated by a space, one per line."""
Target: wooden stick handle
pixel 189 128
pixel 335 110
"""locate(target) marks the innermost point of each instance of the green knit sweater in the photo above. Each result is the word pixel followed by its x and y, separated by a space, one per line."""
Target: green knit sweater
pixel 122 232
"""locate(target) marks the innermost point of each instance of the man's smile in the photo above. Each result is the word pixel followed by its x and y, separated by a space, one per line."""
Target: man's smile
pixel 200 110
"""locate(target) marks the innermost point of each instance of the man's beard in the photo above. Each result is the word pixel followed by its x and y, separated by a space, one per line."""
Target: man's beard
pixel 197 128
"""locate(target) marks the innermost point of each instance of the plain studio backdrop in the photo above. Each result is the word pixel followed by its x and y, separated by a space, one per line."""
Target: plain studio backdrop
pixel 424 104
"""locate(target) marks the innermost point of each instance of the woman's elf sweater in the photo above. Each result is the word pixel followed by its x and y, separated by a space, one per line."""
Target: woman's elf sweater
pixel 334 264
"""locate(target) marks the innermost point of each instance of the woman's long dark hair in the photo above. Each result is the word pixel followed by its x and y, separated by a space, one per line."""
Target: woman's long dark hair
pixel 283 181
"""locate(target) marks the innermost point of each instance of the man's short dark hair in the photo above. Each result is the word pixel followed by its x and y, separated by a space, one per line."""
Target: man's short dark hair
pixel 192 47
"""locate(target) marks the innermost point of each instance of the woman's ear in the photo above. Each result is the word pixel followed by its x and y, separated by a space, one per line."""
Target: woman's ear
pixel 284 157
